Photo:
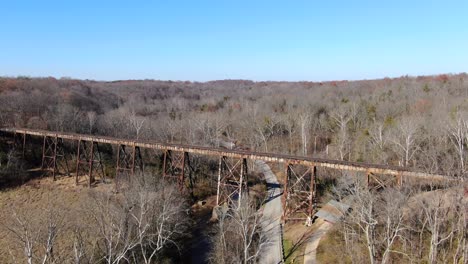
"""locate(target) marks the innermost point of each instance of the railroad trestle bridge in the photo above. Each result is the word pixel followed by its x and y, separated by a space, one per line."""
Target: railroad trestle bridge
pixel 299 187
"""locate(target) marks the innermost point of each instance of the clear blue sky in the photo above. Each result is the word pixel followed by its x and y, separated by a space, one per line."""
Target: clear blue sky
pixel 207 40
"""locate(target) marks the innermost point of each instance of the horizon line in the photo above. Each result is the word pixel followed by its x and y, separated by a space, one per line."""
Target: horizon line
pixel 19 76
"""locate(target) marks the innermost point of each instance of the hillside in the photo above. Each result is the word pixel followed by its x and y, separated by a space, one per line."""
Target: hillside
pixel 406 121
pixel 420 123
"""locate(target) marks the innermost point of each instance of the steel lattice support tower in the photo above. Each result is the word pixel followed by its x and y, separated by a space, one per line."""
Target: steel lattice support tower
pixel 19 142
pixel 129 160
pixel 52 154
pixel 232 180
pixel 89 162
pixel 177 168
pixel 299 195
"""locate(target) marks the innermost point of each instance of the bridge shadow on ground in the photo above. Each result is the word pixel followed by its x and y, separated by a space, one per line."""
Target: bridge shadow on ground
pixel 15 179
pixel 270 187
pixel 270 198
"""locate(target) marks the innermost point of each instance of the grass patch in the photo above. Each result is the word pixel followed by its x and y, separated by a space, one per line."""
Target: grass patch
pixel 295 240
pixel 326 250
pixel 288 247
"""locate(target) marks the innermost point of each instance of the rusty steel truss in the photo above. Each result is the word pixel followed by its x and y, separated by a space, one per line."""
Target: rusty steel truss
pixel 299 196
pixel 129 160
pixel 19 142
pixel 89 162
pixel 177 168
pixel 53 155
pixel 376 181
pixel 232 180
pixel 300 193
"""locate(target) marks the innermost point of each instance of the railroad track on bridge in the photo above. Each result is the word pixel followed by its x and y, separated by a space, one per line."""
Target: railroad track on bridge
pixel 299 188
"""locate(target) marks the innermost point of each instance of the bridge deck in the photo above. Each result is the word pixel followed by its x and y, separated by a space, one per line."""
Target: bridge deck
pixel 269 157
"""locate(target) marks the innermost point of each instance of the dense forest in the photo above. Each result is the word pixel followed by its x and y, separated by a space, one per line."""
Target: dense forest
pixel 420 123
pixel 417 122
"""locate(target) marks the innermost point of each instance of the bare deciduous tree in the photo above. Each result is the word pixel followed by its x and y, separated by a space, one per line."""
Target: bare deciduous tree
pixel 158 212
pixel 92 117
pixel 36 233
pixel 342 117
pixel 304 123
pixel 139 225
pixel 115 235
pixel 137 123
pixel 436 211
pixel 377 217
pixel 404 139
pixel 461 220
pixel 458 134
pixel 239 238
pixel 393 202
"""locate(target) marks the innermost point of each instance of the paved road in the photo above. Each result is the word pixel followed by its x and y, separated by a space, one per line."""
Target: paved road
pixel 310 254
pixel 271 219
